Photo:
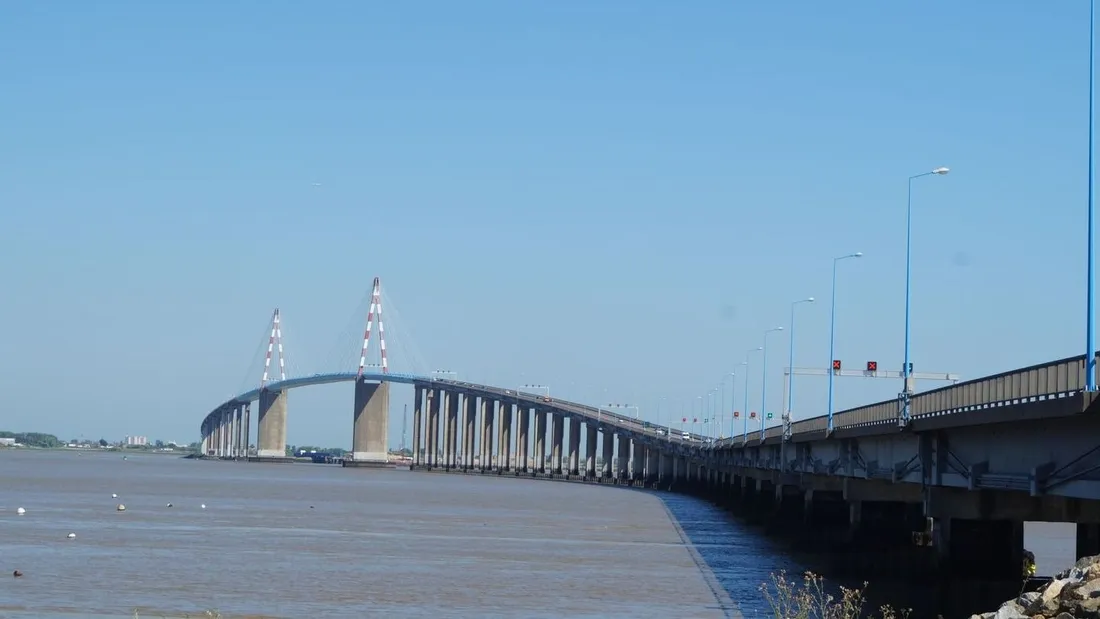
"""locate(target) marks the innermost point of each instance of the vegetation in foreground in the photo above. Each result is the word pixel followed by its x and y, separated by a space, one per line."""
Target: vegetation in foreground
pixel 810 599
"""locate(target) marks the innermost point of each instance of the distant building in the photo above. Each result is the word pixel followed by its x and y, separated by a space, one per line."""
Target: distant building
pixel 7 442
pixel 137 440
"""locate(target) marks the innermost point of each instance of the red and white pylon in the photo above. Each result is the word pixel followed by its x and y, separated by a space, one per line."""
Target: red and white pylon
pixel 375 308
pixel 276 339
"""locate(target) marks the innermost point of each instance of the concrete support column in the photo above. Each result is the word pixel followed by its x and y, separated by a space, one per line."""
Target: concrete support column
pixel 469 407
pixel 574 446
pixel 487 407
pixel 540 441
pixel 637 461
pixel 558 434
pixel 238 420
pixel 623 461
pixel 433 427
pixel 224 443
pixel 271 427
pixel 505 436
pixel 418 404
pixel 370 431
pixel 523 421
pixel 590 451
pixel 652 464
pixel 452 430
pixel 247 427
pixel 445 407
pixel 608 454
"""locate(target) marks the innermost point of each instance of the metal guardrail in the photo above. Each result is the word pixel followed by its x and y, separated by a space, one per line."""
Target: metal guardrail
pixel 1037 382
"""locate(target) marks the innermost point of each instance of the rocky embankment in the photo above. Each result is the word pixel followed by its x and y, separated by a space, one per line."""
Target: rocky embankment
pixel 1072 594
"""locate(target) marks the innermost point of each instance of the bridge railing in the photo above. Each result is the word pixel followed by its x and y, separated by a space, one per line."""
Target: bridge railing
pixel 1026 384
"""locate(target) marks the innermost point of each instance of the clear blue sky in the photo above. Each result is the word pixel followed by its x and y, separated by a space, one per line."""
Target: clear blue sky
pixel 612 198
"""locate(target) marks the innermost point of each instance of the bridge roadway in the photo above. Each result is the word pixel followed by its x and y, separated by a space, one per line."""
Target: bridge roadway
pixel 979 457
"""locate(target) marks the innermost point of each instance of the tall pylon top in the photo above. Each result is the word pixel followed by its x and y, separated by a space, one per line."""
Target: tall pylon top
pixel 375 310
pixel 276 340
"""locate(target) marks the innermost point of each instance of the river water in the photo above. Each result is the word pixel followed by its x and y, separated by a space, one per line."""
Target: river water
pixel 321 541
pixel 305 540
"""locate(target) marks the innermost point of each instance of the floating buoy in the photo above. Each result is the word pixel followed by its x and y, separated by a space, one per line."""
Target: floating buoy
pixel 71 536
pixel 120 508
pixel 203 506
pixel 20 511
pixel 169 505
pixel 114 496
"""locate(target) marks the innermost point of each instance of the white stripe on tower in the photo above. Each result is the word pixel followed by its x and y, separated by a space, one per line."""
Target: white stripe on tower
pixel 381 330
pixel 270 346
pixel 279 339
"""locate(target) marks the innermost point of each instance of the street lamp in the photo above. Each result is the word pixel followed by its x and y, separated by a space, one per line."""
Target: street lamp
pixel 764 382
pixel 1090 305
pixel 832 337
pixel 790 380
pixel 746 411
pixel 540 387
pixel 907 384
pixel 452 374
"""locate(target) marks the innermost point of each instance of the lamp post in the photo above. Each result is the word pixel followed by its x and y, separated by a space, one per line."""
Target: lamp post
pixel 832 337
pixel 1090 305
pixel 451 373
pixel 539 387
pixel 907 384
pixel 790 380
pixel 746 411
pixel 764 382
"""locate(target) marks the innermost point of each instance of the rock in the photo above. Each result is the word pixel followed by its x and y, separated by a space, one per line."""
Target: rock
pixel 1074 593
pixel 1011 610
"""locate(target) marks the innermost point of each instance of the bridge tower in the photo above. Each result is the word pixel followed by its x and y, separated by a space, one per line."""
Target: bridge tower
pixel 371 413
pixel 271 425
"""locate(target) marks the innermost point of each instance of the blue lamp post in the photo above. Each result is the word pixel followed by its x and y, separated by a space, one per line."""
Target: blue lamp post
pixel 746 411
pixel 764 383
pixel 790 379
pixel 907 385
pixel 1090 305
pixel 832 336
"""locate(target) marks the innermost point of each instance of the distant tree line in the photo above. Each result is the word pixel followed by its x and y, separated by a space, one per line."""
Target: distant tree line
pixel 32 439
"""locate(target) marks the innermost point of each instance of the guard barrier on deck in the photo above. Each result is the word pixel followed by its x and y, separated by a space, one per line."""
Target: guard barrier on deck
pixel 1055 379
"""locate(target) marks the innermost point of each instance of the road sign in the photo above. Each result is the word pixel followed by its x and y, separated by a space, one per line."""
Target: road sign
pixel 872 366
pixel 736 414
pixel 752 415
pixel 836 365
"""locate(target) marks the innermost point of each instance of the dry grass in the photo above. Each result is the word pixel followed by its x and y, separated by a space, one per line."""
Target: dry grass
pixel 809 599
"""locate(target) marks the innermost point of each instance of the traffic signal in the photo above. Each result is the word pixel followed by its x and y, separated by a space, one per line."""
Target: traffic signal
pixel 769 415
pixel 752 415
pixel 836 365
pixel 736 414
pixel 684 419
pixel 695 420
pixel 872 366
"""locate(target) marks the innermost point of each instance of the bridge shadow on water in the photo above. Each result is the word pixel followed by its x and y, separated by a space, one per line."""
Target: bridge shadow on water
pixel 743 555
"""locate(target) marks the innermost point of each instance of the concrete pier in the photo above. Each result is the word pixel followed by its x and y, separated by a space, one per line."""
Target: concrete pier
pixel 523 422
pixel 432 430
pixel 608 454
pixel 504 447
pixel 370 429
pixel 558 435
pixel 418 404
pixel 574 445
pixel 540 441
pixel 487 407
pixel 469 422
pixel 271 426
pixel 590 451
